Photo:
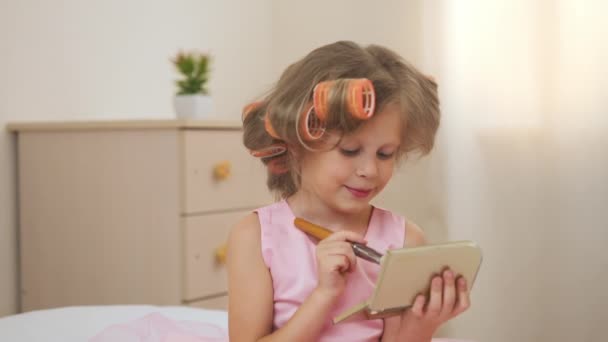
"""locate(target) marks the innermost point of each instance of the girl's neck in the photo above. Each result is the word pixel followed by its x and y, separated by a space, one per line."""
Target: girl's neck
pixel 312 209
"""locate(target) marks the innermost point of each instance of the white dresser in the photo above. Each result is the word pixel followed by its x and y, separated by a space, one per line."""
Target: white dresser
pixel 132 212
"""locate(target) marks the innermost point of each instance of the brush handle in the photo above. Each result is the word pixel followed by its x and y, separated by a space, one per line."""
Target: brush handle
pixel 312 229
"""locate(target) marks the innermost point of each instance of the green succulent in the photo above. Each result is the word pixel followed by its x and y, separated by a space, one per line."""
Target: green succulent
pixel 195 69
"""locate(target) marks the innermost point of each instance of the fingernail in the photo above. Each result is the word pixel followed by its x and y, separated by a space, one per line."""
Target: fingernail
pixel 437 283
pixel 448 274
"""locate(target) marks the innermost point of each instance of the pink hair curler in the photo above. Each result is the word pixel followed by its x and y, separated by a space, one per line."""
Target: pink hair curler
pixel 269 129
pixel 311 126
pixel 270 151
pixel 360 102
pixel 249 108
pixel 360 98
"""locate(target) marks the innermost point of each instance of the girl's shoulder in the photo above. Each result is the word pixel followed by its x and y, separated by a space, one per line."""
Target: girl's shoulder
pixel 415 235
pixel 250 223
pixel 262 229
pixel 245 231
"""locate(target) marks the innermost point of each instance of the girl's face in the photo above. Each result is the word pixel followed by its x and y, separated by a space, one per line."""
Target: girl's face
pixel 347 177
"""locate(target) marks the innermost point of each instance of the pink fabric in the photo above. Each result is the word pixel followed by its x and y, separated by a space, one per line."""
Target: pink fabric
pixel 290 256
pixel 155 327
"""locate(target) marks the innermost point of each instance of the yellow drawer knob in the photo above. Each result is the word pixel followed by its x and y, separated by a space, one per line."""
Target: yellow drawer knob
pixel 220 254
pixel 221 171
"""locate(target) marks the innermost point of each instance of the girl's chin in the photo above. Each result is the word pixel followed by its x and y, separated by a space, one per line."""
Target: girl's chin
pixel 352 205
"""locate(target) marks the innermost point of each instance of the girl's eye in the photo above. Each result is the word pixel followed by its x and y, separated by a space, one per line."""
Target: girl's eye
pixel 384 155
pixel 349 153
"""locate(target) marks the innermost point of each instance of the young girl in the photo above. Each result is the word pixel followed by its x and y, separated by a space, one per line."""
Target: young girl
pixel 331 133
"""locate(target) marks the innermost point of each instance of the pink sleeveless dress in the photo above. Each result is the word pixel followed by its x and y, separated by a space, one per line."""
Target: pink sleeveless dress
pixel 289 254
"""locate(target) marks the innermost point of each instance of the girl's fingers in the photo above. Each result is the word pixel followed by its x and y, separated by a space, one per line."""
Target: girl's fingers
pixel 434 304
pixel 345 235
pixel 337 247
pixel 340 251
pixel 337 244
pixel 346 262
pixel 340 263
pixel 418 306
pixel 463 296
pixel 449 292
pixel 333 247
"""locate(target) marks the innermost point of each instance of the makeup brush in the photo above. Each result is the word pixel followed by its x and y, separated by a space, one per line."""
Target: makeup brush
pixel 321 233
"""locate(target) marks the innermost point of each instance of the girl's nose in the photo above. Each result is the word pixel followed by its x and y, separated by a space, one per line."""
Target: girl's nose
pixel 367 167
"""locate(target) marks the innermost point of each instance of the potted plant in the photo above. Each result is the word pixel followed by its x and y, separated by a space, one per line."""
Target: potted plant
pixel 192 100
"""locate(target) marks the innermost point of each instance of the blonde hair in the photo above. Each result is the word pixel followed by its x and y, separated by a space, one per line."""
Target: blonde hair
pixel 394 81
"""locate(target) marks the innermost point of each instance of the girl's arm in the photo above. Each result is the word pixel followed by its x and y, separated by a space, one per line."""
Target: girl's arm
pixel 249 283
pixel 448 298
pixel 250 309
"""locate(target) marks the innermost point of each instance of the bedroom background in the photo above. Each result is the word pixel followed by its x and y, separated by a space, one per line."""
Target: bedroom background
pixel 520 164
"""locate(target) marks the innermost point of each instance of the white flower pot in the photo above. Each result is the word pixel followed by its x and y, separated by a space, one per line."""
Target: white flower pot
pixel 193 106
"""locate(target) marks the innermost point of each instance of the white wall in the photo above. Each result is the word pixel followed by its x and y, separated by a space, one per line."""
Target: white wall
pixel 301 26
pixel 524 102
pixel 578 161
pixel 81 60
pixel 491 103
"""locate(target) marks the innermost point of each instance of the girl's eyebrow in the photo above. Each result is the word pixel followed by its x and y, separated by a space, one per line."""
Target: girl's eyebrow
pixel 392 144
pixel 389 146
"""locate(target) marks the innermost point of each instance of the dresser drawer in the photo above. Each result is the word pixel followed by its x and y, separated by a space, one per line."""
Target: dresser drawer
pixel 242 186
pixel 205 273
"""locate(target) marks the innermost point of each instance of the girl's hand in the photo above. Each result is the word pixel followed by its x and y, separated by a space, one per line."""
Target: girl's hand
pixel 335 259
pixel 449 297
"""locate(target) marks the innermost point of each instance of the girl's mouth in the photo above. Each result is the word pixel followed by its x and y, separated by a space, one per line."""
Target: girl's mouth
pixel 359 193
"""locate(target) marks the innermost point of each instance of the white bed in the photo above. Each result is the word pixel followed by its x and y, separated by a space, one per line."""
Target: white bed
pixel 80 323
